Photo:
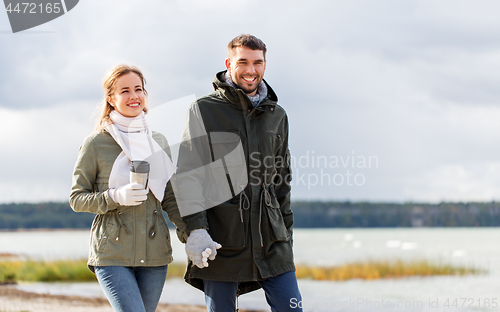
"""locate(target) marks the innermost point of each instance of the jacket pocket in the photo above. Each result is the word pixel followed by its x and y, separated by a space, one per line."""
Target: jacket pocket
pixel 102 233
pixel 105 238
pixel 278 232
pixel 225 227
pixel 273 139
pixel 115 242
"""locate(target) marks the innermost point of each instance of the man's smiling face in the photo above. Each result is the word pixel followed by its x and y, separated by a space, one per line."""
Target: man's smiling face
pixel 246 67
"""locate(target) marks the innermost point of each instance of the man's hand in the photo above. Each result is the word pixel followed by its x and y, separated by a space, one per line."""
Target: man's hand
pixel 200 248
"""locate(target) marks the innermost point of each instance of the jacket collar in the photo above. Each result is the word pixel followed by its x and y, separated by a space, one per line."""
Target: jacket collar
pixel 233 95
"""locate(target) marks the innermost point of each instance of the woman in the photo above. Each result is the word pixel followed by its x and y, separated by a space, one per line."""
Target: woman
pixel 130 243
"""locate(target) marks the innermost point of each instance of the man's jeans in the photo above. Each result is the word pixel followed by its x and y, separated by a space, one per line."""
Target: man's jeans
pixel 282 294
pixel 132 289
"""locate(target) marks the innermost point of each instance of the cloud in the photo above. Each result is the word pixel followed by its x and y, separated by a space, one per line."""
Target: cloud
pixel 411 82
pixel 39 153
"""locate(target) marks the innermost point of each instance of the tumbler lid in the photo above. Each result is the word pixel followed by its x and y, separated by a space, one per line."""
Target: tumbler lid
pixel 139 166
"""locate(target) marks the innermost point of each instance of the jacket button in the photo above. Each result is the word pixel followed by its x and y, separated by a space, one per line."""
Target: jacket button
pixel 119 212
pixel 155 211
pixel 142 261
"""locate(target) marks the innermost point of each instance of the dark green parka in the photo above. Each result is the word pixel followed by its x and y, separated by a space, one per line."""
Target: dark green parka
pixel 254 227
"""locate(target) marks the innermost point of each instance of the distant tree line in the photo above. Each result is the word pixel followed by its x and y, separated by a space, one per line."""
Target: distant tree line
pixel 307 214
pixel 48 215
pixel 364 214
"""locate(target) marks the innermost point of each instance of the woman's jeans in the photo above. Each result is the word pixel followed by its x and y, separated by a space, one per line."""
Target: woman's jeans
pixel 132 289
pixel 282 294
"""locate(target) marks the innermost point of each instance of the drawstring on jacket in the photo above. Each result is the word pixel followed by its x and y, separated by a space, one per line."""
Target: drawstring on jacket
pixel 244 202
pixel 265 197
pixel 121 224
pixel 152 230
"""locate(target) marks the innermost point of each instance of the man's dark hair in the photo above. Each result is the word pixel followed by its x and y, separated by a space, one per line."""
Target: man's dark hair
pixel 248 41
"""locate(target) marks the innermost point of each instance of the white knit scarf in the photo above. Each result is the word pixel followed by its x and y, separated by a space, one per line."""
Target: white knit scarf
pixel 137 143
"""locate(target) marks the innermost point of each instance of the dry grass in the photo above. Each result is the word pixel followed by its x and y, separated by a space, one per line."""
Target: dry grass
pixel 45 271
pixel 382 269
pixel 77 271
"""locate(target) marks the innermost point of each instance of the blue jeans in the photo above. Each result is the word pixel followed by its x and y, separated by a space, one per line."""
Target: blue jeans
pixel 132 289
pixel 282 294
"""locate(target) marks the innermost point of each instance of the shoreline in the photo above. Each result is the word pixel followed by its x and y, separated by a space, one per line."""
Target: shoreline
pixel 43 230
pixel 14 300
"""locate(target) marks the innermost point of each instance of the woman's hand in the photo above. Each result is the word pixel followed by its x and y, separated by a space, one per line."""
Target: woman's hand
pixel 131 194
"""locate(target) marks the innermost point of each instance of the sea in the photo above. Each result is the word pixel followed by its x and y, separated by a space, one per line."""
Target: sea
pixel 472 247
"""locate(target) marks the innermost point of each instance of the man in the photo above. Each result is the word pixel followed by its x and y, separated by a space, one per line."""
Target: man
pixel 234 187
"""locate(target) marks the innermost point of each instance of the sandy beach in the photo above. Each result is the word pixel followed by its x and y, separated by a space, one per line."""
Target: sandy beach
pixel 13 300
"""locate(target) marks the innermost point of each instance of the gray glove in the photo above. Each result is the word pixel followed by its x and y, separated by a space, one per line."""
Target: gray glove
pixel 200 247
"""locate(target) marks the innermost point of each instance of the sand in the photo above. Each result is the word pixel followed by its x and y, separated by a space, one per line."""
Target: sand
pixel 13 300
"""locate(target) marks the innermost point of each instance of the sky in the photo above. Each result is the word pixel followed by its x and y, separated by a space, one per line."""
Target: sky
pixel 388 100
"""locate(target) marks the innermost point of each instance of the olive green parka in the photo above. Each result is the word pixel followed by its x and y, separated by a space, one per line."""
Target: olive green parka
pixel 121 235
pixel 254 227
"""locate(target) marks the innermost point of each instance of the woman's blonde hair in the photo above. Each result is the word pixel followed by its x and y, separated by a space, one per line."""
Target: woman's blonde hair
pixel 108 85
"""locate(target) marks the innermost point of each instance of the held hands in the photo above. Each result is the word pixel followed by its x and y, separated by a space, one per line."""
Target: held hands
pixel 200 248
pixel 131 194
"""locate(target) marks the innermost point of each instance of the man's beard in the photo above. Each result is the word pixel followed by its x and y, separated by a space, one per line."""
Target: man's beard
pixel 248 92
pixel 243 87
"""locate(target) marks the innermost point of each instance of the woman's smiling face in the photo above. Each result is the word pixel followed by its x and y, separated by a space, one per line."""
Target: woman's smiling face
pixel 128 97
